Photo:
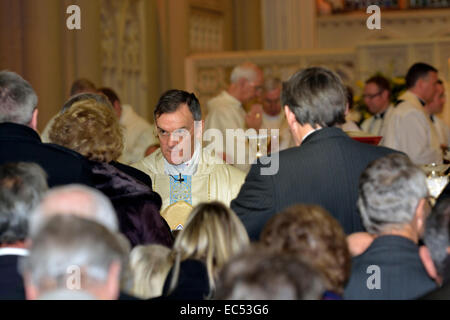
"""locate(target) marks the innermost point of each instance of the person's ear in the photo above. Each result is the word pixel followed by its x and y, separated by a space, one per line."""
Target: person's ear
pixel 421 215
pixel 113 281
pixel 293 125
pixel 290 116
pixel 31 291
pixel 385 94
pixel 427 262
pixel 34 119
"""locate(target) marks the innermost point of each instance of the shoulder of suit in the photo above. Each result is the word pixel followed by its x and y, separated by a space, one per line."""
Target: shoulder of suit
pixel 63 150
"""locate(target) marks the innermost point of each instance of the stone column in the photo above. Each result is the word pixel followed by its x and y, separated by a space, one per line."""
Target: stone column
pixel 289 24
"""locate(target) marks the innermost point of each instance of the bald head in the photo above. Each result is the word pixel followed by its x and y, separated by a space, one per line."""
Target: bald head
pixel 76 200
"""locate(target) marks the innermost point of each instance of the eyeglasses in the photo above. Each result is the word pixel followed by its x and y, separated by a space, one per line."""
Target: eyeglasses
pixel 371 96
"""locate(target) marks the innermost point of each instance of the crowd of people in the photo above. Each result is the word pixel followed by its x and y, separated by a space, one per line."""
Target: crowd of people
pixel 104 205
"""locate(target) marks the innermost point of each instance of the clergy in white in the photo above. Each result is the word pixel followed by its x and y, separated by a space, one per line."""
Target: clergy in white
pixel 182 173
pixel 272 117
pixel 376 97
pixel 226 110
pixel 434 108
pixel 410 129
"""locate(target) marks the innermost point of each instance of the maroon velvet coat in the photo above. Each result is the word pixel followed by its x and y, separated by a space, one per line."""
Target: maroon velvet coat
pixel 136 204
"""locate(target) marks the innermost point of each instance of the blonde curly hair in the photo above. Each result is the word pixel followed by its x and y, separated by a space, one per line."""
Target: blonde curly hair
pixel 90 128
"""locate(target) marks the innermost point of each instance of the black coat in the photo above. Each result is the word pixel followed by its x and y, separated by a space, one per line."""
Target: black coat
pixel 136 205
pixel 11 282
pixel 62 165
pixel 323 170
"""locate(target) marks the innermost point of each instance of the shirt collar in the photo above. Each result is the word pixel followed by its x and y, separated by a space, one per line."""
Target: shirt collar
pixel 309 133
pixel 13 252
pixel 186 168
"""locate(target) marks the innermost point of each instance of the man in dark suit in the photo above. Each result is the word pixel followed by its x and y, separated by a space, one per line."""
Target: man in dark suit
pixel 19 140
pixel 22 186
pixel 325 166
pixel 393 202
pixel 435 254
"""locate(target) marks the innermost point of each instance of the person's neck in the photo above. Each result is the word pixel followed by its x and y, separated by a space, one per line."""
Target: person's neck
pixel 406 232
pixel 305 130
pixel 235 92
pixel 383 109
pixel 417 93
pixel 20 245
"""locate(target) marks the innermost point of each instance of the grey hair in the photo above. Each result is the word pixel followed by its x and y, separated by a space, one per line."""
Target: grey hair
pixel 271 83
pixel 246 70
pixel 389 191
pixel 316 96
pixel 17 99
pixel 69 243
pixel 437 238
pixel 22 186
pixel 100 208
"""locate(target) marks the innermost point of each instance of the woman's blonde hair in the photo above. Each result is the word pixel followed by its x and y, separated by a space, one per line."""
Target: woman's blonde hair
pixel 90 128
pixel 213 234
pixel 149 265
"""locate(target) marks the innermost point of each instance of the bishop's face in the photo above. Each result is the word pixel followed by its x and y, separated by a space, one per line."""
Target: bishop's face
pixel 176 135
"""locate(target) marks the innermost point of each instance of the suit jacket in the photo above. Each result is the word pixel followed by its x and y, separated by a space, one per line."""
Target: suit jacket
pixel 11 282
pixel 62 165
pixel 442 293
pixel 402 274
pixel 323 170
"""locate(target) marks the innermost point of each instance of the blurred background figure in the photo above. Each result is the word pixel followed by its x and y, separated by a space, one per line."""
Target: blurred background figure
pixel 213 234
pixel 409 128
pixel 22 186
pixel 226 110
pixel 377 91
pixel 310 232
pixel 149 265
pixel 349 124
pixel 78 86
pixel 72 258
pixel 273 116
pixel 434 108
pixel 139 136
pixel 261 274
pixel 92 129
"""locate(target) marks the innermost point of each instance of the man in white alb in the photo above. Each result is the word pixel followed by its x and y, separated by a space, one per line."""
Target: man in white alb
pixel 409 128
pixel 272 117
pixel 226 110
pixel 435 107
pixel 376 95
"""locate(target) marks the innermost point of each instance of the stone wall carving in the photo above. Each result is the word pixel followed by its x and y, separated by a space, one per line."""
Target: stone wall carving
pixel 348 30
pixel 123 51
pixel 206 31
pixel 206 75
